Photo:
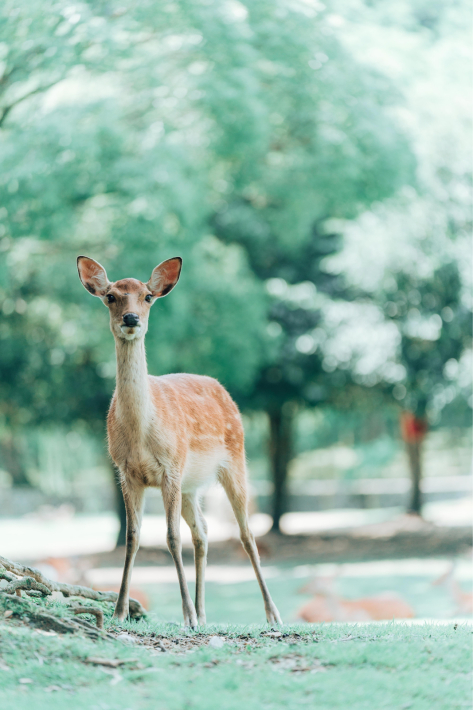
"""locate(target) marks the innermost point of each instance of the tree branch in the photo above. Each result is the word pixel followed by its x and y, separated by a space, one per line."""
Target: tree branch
pixel 67 590
pixel 6 110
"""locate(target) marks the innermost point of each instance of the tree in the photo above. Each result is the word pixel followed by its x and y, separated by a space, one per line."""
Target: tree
pixel 235 134
pixel 328 146
pixel 407 256
pixel 435 329
pixel 84 171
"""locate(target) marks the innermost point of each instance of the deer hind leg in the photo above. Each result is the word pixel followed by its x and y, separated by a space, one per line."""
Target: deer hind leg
pixel 172 500
pixel 133 495
pixel 192 514
pixel 233 480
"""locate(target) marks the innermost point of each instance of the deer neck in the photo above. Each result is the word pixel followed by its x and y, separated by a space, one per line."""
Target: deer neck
pixel 132 393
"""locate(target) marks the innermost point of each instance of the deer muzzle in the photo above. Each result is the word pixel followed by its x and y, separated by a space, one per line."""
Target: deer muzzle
pixel 131 320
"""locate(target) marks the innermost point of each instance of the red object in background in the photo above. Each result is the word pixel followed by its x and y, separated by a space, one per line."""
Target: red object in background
pixel 413 429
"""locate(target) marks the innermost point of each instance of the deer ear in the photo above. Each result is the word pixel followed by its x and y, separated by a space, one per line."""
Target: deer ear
pixel 93 276
pixel 165 277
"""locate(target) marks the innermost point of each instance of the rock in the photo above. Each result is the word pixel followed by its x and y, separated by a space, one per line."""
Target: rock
pixel 126 638
pixel 216 642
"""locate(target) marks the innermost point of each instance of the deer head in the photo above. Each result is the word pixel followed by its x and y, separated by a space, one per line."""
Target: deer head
pixel 129 301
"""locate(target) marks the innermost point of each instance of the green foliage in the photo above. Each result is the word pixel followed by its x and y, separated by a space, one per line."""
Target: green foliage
pixel 408 256
pixel 435 329
pixel 330 665
pixel 158 126
pixel 246 137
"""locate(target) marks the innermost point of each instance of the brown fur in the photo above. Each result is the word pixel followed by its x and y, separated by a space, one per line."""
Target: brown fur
pixel 326 605
pixel 172 432
pixel 334 608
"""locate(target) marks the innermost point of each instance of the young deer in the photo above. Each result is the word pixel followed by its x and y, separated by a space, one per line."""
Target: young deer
pixel 327 605
pixel 462 599
pixel 175 432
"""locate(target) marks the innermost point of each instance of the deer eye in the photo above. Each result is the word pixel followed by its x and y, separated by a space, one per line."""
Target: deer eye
pixel 148 298
pixel 111 298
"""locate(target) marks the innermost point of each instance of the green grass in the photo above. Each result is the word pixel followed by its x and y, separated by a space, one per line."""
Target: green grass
pixel 242 602
pixel 331 666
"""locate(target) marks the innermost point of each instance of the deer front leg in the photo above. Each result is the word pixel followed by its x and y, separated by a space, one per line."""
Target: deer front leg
pixel 133 496
pixel 172 505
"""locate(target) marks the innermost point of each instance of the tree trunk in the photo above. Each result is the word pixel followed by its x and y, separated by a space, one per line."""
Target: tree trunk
pixel 280 450
pixel 121 513
pixel 414 452
pixel 413 430
pixel 13 460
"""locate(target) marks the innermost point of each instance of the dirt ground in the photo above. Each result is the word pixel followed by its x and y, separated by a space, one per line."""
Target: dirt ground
pixel 183 643
pixel 406 536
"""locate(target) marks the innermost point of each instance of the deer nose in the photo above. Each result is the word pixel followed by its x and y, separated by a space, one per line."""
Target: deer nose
pixel 131 319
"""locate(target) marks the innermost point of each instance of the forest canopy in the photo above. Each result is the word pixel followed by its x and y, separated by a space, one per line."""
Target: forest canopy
pixel 313 178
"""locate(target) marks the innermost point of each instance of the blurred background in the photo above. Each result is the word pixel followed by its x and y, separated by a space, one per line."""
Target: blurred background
pixel 311 163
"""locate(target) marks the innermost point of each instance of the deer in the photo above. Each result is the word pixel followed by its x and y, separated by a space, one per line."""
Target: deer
pixel 326 605
pixel 177 432
pixel 463 600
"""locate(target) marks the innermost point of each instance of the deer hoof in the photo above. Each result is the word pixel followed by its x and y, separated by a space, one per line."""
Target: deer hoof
pixel 272 616
pixel 120 615
pixel 191 622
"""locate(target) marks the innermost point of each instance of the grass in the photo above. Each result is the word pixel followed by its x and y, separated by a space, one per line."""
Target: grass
pixel 241 602
pixel 331 666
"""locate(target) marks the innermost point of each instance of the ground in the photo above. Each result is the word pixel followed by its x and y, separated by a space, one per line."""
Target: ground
pixel 236 663
pixel 166 667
